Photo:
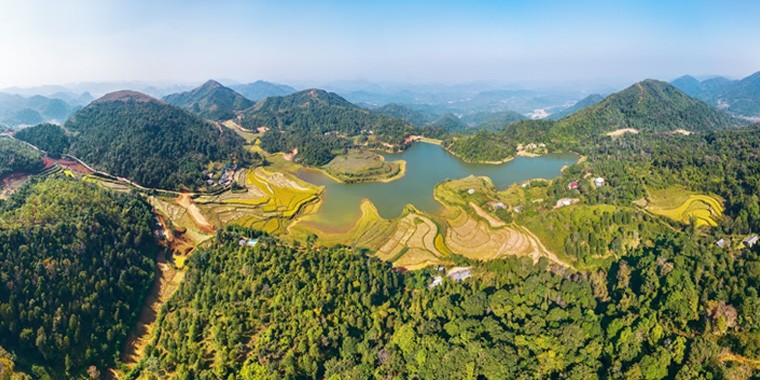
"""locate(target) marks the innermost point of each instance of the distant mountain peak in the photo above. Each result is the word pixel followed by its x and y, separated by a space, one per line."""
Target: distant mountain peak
pixel 211 85
pixel 211 100
pixel 126 96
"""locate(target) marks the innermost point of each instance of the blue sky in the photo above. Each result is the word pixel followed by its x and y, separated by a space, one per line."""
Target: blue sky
pixel 316 42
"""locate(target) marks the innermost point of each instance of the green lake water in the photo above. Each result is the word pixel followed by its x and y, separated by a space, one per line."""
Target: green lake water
pixel 426 166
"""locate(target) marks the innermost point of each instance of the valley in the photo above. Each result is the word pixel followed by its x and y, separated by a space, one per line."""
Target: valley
pixel 404 201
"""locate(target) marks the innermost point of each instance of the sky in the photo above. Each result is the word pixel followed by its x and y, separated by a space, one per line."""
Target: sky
pixel 287 41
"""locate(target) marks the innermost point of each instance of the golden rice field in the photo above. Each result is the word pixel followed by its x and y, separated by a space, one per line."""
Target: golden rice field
pixel 683 205
pixel 369 231
pixel 412 245
pixel 271 200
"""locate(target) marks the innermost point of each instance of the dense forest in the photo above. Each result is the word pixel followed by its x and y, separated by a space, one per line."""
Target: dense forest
pixel 75 265
pixel 48 137
pixel 275 311
pixel 157 145
pixel 321 124
pixel 15 156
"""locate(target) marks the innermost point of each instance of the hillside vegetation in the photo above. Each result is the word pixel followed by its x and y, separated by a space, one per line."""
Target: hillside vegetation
pixel 274 311
pixel 75 265
pixel 131 135
pixel 649 106
pixel 16 156
pixel 319 124
pixel 48 137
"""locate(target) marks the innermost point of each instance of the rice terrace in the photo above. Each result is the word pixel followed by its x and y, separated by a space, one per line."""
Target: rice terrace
pixel 684 206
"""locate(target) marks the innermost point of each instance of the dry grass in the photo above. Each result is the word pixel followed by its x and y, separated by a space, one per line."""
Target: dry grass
pixel 622 131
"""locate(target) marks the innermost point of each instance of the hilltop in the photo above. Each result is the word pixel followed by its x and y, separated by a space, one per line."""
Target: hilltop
pixel 132 135
pixel 211 101
pixel 649 105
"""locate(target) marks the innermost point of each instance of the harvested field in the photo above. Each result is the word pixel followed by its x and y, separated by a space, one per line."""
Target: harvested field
pixel 683 205
pixel 370 231
pixel 475 233
pixel 269 202
pixel 412 245
pixel 195 213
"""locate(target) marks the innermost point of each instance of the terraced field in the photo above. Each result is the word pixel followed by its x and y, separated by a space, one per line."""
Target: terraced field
pixel 370 231
pixel 269 202
pixel 475 233
pixel 412 245
pixel 683 205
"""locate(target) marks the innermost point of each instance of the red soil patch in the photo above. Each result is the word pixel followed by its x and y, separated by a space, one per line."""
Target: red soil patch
pixel 72 165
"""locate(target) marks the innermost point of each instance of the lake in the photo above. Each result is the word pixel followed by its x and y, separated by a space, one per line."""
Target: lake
pixel 426 166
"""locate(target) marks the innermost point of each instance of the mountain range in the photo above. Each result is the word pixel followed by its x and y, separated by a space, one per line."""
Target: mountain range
pixel 740 97
pixel 261 89
pixel 16 110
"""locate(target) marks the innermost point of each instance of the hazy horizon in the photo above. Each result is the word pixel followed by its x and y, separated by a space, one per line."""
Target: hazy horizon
pixel 542 43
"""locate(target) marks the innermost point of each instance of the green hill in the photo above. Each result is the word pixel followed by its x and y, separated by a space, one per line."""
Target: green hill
pixel 76 263
pixel 319 122
pixel 48 137
pixel 407 113
pixel 132 135
pixel 16 156
pixel 648 106
pixel 210 101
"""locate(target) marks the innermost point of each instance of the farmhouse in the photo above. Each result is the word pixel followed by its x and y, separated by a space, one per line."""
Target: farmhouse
pixel 471 191
pixel 437 280
pixel 750 241
pixel 572 185
pixel 460 273
pixel 598 181
pixel 721 243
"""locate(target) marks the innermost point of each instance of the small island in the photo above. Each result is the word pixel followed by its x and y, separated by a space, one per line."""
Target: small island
pixel 361 166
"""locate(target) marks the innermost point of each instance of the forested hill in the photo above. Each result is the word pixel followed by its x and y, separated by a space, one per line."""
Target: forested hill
pixel 48 137
pixel 278 312
pixel 211 101
pixel 76 263
pixel 646 106
pixel 649 106
pixel 319 122
pixel 132 135
pixel 15 156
